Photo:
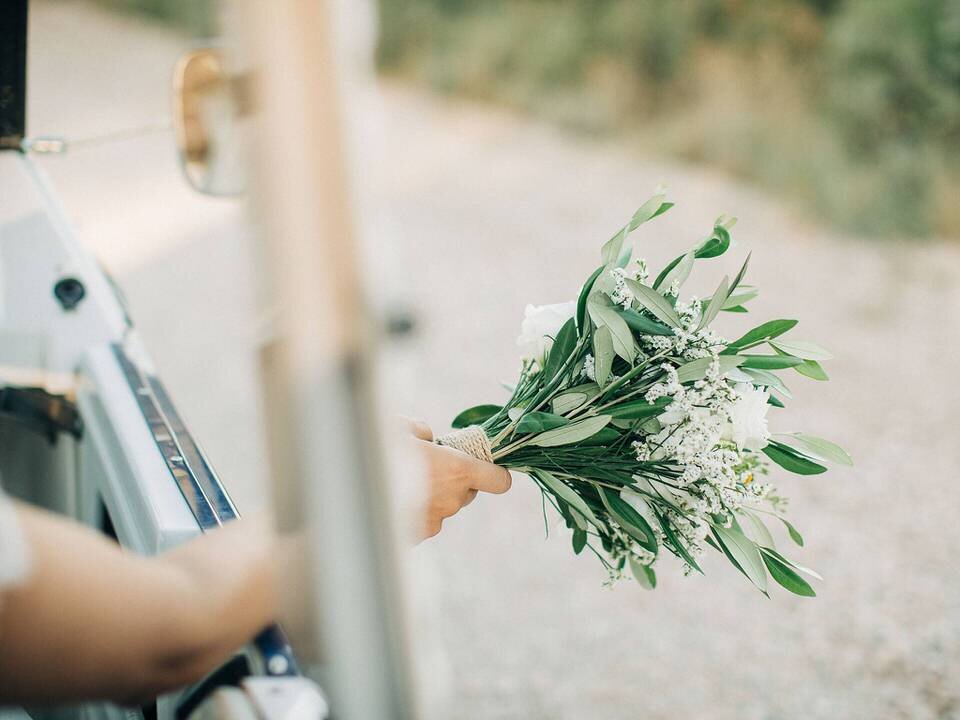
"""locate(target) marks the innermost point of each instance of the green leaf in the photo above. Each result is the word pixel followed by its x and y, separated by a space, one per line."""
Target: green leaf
pixel 574 397
pixel 572 433
pixel 715 245
pixel 613 253
pixel 802 349
pixel 726 221
pixel 640 409
pixel 572 519
pixel 739 278
pixel 822 449
pixel 579 540
pixel 713 309
pixel 736 309
pixel 662 209
pixel 768 379
pixel 610 251
pixel 666 271
pixel 651 426
pixel 649 210
pixel 602 354
pixel 791 563
pixel 625 256
pixel 812 369
pixel 744 552
pixel 769 362
pixel 563 345
pixel 642 324
pixel 605 436
pixel 755 529
pixel 792 531
pixel 605 316
pixel 680 272
pixel 770 329
pixel 740 298
pixel 775 401
pixel 539 421
pixel 644 574
pixel 789 459
pixel 629 519
pixel 568 495
pixel 697 369
pixel 475 415
pixel 654 302
pixel 582 300
pixel 787 577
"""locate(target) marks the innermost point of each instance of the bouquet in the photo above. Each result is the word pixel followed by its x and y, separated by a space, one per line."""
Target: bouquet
pixel 645 428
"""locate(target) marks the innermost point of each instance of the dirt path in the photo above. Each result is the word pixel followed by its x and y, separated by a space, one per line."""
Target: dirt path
pixel 493 212
pixel 515 214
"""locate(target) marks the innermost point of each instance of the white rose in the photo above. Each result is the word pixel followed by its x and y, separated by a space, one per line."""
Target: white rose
pixel 748 418
pixel 541 323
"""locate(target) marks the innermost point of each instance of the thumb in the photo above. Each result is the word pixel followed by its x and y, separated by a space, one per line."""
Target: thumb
pixel 487 477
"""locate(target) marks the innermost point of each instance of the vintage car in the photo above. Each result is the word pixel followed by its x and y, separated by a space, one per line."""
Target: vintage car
pixel 87 428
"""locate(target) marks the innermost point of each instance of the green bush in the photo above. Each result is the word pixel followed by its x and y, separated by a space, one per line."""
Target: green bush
pixel 853 106
pixel 197 17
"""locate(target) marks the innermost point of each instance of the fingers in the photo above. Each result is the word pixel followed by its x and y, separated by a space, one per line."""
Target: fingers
pixel 451 465
pixel 453 480
pixel 431 527
pixel 488 477
pixel 418 429
pixel 444 503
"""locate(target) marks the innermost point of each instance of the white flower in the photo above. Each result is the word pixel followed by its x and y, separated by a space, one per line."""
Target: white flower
pixel 589 368
pixel 621 294
pixel 748 418
pixel 540 324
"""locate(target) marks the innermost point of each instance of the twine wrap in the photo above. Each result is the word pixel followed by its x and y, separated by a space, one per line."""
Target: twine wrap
pixel 472 440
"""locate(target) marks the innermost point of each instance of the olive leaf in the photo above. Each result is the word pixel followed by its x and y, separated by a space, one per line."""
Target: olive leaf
pixel 568 495
pixel 574 397
pixel 475 415
pixel 769 362
pixel 697 369
pixel 582 300
pixel 813 370
pixel 654 302
pixel 786 576
pixel 792 460
pixel 743 552
pixel 713 309
pixel 771 329
pixel 602 354
pixel 644 574
pixel 539 421
pixel 605 316
pixel 573 433
pixel 802 349
pixel 820 448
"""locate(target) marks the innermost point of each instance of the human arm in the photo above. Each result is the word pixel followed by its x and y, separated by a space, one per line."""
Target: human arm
pixel 94 621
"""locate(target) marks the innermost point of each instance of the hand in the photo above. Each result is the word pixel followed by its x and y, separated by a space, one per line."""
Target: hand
pixel 453 479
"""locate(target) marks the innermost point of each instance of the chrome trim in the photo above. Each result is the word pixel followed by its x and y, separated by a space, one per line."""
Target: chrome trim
pixel 201 488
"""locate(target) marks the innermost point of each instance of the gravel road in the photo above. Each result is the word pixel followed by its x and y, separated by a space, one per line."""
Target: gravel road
pixel 493 211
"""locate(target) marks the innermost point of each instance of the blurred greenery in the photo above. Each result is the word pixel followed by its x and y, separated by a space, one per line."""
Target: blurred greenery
pixel 196 17
pixel 852 106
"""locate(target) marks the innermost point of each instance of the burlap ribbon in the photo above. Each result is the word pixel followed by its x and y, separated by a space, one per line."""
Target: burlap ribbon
pixel 472 440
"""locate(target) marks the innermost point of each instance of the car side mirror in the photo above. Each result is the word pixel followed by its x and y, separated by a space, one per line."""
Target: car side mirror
pixel 210 119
